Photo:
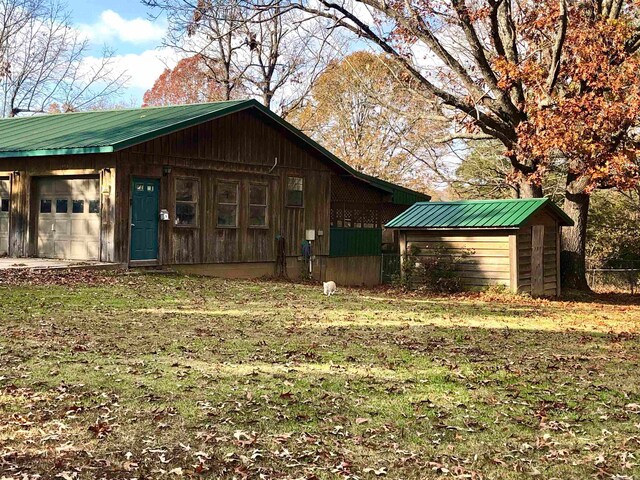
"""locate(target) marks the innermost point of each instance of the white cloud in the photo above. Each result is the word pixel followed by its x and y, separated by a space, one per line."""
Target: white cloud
pixel 142 68
pixel 112 26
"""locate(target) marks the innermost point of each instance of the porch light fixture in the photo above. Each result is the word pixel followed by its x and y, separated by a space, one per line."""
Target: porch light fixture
pixel 166 170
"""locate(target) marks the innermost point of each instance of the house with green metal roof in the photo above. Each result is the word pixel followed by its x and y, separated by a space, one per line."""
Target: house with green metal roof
pixel 511 242
pixel 227 188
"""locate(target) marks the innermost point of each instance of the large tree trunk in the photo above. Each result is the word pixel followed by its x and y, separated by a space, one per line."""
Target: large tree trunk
pixel 530 190
pixel 574 239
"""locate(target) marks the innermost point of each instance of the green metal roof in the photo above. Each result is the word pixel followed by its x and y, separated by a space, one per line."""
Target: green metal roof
pixel 100 131
pixel 113 130
pixel 471 214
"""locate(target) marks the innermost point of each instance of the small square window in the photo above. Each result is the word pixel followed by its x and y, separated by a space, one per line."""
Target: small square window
pixel 62 205
pixel 150 188
pixel 227 193
pixel 45 206
pixel 77 206
pixel 4 205
pixel 227 215
pixel 295 191
pixel 94 206
pixel 257 195
pixel 185 214
pixel 140 187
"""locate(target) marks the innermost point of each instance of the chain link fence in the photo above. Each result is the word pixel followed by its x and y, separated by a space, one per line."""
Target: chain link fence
pixel 623 275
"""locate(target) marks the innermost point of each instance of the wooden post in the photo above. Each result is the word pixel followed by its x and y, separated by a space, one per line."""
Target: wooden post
pixel 558 251
pixel 19 214
pixel 107 214
pixel 403 251
pixel 537 260
pixel 514 267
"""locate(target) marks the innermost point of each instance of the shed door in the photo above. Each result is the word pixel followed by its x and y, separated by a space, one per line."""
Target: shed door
pixel 4 216
pixel 69 218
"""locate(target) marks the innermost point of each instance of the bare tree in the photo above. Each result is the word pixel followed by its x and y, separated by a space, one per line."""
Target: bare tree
pixel 258 50
pixel 44 61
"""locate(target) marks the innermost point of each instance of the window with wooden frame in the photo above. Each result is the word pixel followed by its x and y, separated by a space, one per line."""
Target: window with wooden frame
pixel 295 191
pixel 187 198
pixel 257 205
pixel 227 204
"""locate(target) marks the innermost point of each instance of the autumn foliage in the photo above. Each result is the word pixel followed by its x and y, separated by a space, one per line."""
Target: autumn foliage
pixel 190 81
pixel 587 120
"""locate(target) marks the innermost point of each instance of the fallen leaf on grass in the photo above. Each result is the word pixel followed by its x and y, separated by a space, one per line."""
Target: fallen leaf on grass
pixel 377 472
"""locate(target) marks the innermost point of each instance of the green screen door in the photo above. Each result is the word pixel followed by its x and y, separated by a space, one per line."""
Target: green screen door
pixel 145 197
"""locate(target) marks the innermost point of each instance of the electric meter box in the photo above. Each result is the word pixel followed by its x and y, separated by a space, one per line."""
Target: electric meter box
pixel 164 214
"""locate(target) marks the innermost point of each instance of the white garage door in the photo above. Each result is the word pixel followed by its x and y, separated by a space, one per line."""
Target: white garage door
pixel 4 216
pixel 69 218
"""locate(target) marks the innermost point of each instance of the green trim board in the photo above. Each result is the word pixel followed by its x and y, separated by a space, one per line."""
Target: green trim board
pixel 354 242
pixel 476 214
pixel 113 130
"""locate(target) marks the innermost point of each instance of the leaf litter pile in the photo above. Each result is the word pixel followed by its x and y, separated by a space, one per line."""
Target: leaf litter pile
pixel 155 376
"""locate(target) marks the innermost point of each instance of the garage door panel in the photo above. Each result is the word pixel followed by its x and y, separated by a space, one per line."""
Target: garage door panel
pixel 66 226
pixel 62 249
pixel 78 227
pixel 93 227
pixel 62 226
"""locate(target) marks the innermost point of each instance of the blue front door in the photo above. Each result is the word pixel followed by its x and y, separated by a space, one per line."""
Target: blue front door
pixel 145 195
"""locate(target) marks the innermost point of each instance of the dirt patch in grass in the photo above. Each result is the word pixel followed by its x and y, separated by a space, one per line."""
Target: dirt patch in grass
pixel 165 376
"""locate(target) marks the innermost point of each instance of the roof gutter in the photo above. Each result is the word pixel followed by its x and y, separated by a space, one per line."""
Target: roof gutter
pixel 56 151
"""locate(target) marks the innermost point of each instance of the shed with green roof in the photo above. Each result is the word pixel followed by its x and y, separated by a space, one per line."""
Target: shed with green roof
pixel 511 242
pixel 225 188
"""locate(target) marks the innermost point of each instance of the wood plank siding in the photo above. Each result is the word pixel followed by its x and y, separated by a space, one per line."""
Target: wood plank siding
pixel 486 254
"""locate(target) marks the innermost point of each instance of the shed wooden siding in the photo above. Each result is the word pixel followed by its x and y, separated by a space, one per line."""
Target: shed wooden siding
pixel 241 147
pixel 487 262
pixel 529 259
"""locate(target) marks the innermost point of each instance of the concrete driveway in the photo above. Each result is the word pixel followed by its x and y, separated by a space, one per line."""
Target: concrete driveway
pixel 50 263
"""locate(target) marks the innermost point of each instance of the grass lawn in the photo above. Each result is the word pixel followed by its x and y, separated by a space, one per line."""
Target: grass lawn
pixel 148 376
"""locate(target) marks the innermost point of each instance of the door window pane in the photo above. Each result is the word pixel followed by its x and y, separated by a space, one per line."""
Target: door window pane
pixel 62 205
pixel 45 206
pixel 295 191
pixel 140 187
pixel 94 206
pixel 77 206
pixel 4 205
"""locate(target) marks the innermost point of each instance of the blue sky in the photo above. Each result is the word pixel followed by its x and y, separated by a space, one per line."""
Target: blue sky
pixel 125 27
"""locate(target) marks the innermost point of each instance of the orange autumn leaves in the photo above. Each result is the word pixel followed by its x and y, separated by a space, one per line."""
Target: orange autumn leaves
pixel 190 81
pixel 587 119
